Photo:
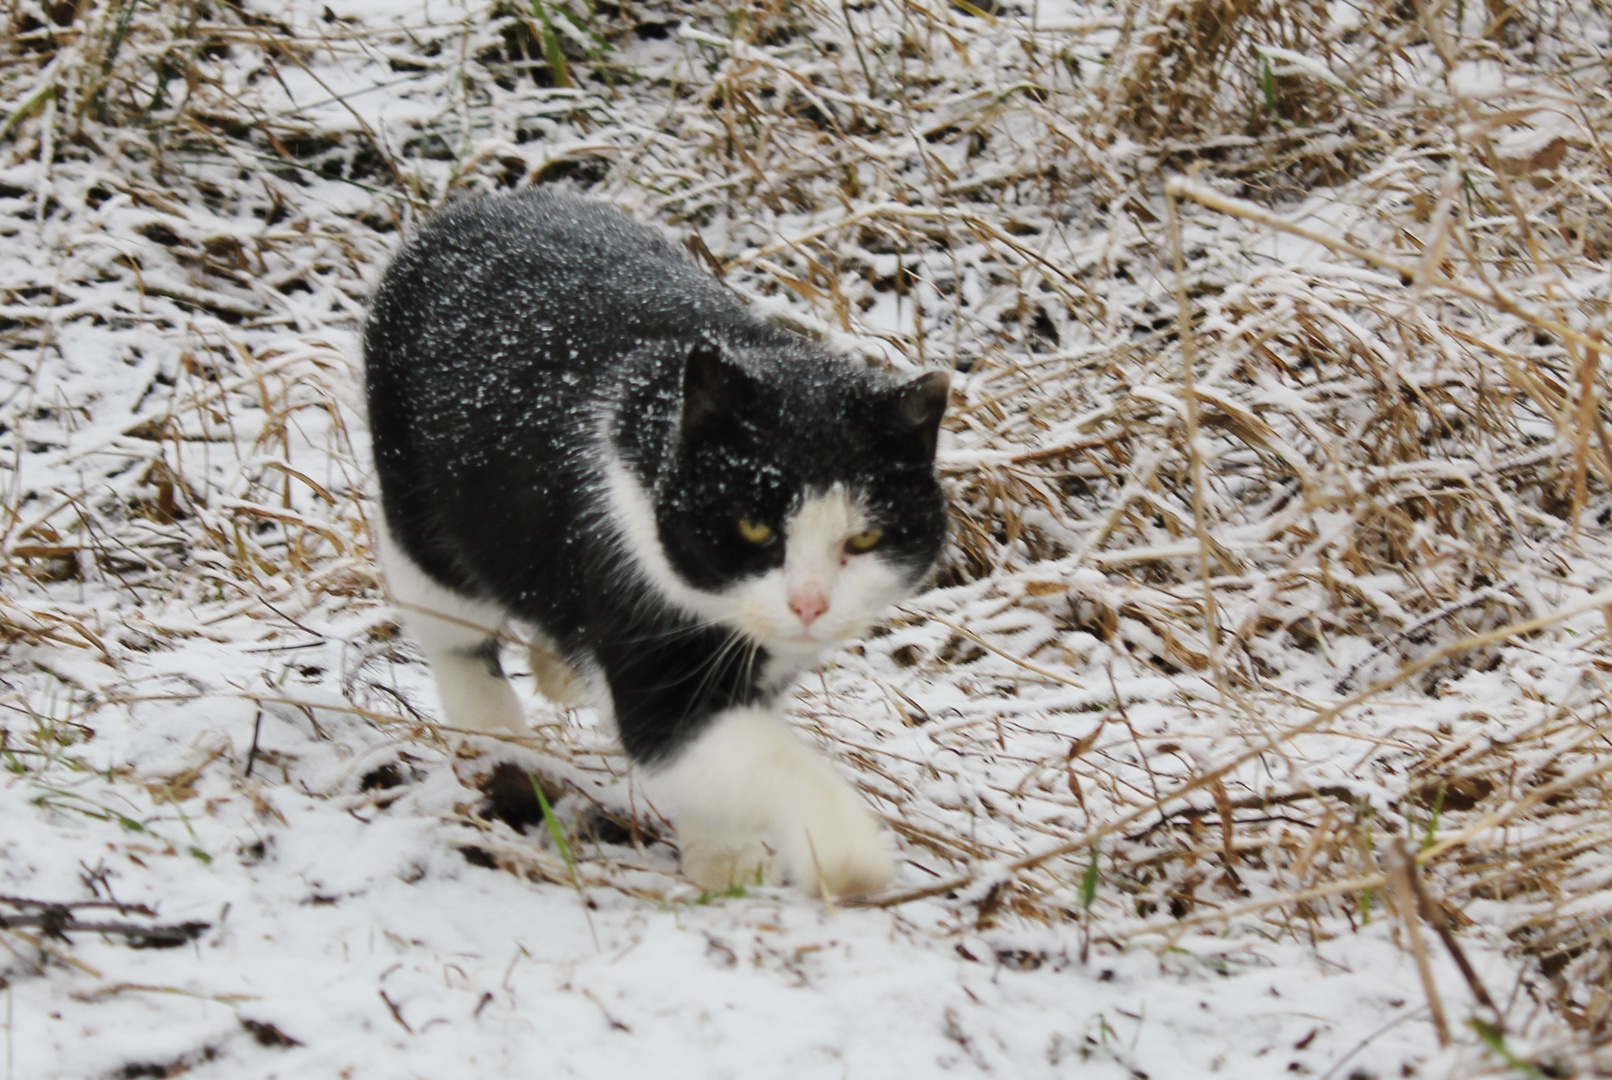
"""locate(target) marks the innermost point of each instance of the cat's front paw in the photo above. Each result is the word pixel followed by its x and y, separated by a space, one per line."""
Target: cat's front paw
pixel 747 786
pixel 840 849
pixel 719 862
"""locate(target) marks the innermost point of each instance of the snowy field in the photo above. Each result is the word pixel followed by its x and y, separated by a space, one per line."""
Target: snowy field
pixel 1256 725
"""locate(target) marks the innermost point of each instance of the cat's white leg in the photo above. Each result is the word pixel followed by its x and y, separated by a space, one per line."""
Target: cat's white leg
pixel 748 787
pixel 459 637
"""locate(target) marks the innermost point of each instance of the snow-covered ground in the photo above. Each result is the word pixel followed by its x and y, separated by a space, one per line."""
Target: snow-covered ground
pixel 1129 846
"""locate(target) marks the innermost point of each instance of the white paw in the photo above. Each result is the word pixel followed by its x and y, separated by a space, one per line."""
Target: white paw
pixel 473 697
pixel 839 850
pixel 747 787
pixel 717 860
pixel 556 679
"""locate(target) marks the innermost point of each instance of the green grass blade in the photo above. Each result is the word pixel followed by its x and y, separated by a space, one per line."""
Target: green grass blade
pixel 556 832
pixel 1088 881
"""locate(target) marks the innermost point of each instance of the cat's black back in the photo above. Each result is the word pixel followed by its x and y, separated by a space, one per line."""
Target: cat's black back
pixel 520 343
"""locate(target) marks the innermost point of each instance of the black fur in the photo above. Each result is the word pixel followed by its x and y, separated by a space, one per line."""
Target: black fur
pixel 519 341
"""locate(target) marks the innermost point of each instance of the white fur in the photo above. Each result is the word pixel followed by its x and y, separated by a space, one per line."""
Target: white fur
pixel 633 515
pixel 748 795
pixel 449 628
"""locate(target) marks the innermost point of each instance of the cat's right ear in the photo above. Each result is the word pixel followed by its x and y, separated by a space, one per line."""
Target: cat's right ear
pixel 919 405
pixel 712 385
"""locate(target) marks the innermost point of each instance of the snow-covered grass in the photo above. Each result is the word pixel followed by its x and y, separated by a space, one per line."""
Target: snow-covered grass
pixel 1256 724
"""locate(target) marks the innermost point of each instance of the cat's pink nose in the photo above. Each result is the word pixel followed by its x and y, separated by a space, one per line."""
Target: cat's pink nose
pixel 808 604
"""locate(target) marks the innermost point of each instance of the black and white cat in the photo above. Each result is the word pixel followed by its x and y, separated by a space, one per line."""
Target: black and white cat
pixel 575 427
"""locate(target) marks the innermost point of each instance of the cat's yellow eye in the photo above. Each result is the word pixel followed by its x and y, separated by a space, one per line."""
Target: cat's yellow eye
pixel 864 541
pixel 755 532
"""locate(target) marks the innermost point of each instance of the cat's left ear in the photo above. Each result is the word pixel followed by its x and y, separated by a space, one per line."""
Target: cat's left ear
pixel 919 405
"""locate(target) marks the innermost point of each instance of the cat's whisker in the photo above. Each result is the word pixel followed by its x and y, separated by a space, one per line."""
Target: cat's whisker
pixel 712 668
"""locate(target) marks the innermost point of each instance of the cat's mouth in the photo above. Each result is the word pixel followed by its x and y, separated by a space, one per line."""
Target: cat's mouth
pixel 819 634
pixel 794 636
pixel 775 634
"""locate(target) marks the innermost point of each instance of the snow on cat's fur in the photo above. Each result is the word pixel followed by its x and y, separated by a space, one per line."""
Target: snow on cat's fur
pixel 575 427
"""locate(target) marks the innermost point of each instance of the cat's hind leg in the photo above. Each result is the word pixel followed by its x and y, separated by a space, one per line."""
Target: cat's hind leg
pixel 747 787
pixel 459 637
pixel 556 679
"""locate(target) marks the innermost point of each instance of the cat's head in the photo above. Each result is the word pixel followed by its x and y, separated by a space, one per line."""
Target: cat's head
pixel 798 497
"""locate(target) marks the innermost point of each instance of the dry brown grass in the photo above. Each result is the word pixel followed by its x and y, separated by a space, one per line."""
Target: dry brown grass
pixel 1375 444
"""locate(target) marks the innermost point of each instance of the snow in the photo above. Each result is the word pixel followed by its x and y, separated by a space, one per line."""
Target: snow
pixel 488 972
